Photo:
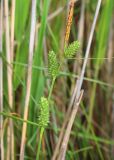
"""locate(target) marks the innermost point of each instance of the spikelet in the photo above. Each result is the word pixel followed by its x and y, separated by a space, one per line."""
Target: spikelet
pixel 71 50
pixel 53 64
pixel 43 118
pixel 69 21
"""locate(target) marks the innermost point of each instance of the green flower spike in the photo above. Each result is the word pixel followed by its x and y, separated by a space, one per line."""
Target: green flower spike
pixel 70 51
pixel 53 64
pixel 43 119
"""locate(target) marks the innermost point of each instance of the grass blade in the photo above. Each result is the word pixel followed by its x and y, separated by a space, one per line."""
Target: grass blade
pixel 29 76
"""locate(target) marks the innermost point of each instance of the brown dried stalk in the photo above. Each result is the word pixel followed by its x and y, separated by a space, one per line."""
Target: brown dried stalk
pixel 63 127
pixel 10 141
pixel 69 21
pixel 29 76
pixel 64 144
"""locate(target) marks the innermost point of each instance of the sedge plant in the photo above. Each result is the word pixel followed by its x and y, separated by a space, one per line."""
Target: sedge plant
pixel 53 68
pixel 43 119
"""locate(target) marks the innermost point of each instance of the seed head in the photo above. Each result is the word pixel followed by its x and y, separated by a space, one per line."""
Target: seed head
pixel 71 50
pixel 53 64
pixel 43 119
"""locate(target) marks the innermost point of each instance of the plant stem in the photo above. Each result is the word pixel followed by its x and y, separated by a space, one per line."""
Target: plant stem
pixel 10 141
pixel 51 88
pixel 39 145
pixel 42 129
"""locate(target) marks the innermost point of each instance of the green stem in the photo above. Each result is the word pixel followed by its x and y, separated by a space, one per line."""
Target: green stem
pixel 39 145
pixel 51 88
pixel 42 129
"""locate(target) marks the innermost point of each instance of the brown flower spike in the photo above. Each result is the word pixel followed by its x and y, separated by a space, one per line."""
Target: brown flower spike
pixel 69 22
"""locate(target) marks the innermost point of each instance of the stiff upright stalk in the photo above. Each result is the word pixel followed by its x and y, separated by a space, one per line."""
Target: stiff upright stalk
pixel 51 88
pixel 10 133
pixel 40 143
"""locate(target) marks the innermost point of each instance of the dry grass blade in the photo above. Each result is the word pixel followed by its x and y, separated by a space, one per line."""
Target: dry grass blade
pixel 1 83
pixel 10 87
pixel 81 23
pixel 63 127
pixel 64 144
pixel 29 75
pixel 79 83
